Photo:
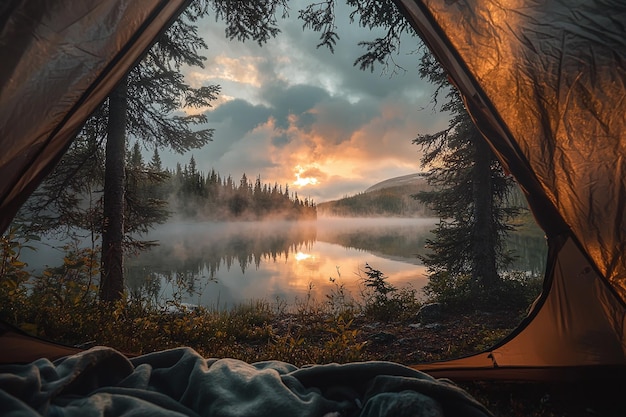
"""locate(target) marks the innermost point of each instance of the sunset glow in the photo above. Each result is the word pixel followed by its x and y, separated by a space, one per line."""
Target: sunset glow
pixel 300 256
pixel 299 116
pixel 301 180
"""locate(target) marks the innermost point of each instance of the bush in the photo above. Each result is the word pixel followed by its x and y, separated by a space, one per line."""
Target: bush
pixel 13 277
pixel 515 291
pixel 385 302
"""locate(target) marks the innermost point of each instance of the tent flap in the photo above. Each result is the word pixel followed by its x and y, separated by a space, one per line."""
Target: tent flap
pixel 60 60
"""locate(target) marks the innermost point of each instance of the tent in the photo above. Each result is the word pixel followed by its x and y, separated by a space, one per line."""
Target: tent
pixel 544 82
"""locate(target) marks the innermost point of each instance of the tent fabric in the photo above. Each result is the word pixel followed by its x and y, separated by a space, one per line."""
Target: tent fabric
pixel 545 83
pixel 179 382
pixel 566 337
pixel 17 346
pixel 60 59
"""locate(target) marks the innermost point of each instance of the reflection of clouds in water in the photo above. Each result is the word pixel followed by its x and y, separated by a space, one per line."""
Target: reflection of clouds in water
pixel 291 279
pixel 265 260
pixel 313 273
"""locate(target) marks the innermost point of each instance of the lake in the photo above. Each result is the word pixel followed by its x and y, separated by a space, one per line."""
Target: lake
pixel 219 265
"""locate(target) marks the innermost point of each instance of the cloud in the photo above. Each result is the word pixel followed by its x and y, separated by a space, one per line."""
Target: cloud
pixel 241 116
pixel 291 100
pixel 299 115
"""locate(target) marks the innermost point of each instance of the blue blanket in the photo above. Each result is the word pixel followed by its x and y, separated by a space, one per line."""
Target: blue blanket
pixel 179 382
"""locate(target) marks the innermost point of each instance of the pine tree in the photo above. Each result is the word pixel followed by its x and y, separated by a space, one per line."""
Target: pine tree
pixel 142 208
pixel 143 105
pixel 470 195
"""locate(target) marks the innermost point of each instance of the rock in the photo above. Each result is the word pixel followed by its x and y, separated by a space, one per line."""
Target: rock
pixel 382 337
pixel 430 313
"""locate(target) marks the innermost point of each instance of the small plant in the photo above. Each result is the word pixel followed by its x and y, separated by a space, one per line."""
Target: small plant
pixel 385 302
pixel 290 348
pixel 343 345
pixel 339 300
pixel 376 280
pixel 452 290
pixel 13 275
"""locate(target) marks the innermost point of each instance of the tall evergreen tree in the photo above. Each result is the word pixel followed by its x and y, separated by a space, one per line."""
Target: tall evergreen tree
pixel 470 194
pixel 144 203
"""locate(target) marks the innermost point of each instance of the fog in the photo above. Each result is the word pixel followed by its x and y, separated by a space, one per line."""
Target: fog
pixel 229 262
pixel 219 264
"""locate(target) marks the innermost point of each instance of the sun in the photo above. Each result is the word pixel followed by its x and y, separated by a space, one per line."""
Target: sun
pixel 301 182
pixel 304 181
pixel 300 256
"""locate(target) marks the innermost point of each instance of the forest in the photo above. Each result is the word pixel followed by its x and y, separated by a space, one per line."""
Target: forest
pixel 193 195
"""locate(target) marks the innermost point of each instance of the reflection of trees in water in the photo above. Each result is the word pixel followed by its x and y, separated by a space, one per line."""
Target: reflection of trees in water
pixel 189 261
pixel 145 282
pixel 185 260
pixel 530 252
pixel 397 241
pixel 409 241
pixel 255 246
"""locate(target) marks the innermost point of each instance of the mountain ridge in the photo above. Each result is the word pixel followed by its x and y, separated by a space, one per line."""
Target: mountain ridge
pixel 389 198
pixel 397 181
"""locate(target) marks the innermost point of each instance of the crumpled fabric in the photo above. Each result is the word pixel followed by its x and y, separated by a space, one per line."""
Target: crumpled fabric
pixel 179 382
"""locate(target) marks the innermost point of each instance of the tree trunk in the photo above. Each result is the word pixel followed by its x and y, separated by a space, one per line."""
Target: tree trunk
pixel 112 265
pixel 484 269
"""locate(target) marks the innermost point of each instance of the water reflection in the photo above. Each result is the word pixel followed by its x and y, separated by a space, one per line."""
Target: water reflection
pixel 225 263
pixel 221 264
pixel 530 252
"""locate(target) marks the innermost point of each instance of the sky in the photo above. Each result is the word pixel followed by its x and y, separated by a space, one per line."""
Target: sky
pixel 295 114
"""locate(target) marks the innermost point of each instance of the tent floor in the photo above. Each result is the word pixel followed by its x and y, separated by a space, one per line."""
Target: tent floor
pixel 583 399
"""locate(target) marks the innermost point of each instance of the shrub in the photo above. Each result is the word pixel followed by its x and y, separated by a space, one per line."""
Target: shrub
pixel 515 291
pixel 385 302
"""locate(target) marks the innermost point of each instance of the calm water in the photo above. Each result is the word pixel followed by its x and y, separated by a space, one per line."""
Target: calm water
pixel 228 263
pixel 222 264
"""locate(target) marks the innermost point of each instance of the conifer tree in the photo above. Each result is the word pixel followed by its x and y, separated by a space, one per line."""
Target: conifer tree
pixel 142 208
pixel 144 106
pixel 470 195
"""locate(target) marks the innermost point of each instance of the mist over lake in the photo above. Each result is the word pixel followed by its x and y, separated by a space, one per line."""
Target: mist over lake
pixel 220 264
pixel 224 263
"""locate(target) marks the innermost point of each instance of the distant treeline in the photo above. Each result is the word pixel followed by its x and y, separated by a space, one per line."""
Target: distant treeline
pixel 213 197
pixel 395 201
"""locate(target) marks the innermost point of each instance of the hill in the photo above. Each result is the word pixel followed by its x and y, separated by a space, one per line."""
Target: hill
pixel 405 180
pixel 389 198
